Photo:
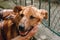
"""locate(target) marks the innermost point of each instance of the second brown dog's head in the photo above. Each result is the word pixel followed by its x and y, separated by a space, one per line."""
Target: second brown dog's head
pixel 30 17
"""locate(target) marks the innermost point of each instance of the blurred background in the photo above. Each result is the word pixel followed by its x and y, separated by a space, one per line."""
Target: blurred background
pixel 49 30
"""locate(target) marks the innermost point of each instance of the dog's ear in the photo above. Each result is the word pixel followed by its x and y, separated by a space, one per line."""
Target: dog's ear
pixel 17 8
pixel 44 14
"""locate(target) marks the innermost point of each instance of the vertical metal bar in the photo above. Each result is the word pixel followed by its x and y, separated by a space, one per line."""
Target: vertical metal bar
pixel 49 13
pixel 16 2
pixel 20 2
pixel 31 2
pixel 25 3
pixel 39 4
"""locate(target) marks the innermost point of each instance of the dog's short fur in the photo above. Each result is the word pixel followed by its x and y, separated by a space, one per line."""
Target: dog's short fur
pixel 27 17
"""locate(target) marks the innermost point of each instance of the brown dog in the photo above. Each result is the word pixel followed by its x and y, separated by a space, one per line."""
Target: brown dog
pixel 25 19
pixel 10 21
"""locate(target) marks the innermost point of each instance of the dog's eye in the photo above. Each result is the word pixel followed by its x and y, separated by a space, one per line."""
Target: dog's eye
pixel 32 17
pixel 21 15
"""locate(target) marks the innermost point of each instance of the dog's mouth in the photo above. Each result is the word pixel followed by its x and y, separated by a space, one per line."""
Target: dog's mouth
pixel 25 32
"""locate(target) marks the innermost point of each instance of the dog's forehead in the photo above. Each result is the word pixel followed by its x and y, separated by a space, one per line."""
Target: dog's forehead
pixel 31 11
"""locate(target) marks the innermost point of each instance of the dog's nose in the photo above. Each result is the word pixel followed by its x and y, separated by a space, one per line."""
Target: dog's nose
pixel 21 28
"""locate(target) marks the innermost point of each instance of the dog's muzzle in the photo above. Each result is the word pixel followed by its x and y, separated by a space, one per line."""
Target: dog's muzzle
pixel 23 32
pixel 22 28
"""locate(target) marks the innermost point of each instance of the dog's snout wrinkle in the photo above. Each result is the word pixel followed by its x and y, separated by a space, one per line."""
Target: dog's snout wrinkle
pixel 23 21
